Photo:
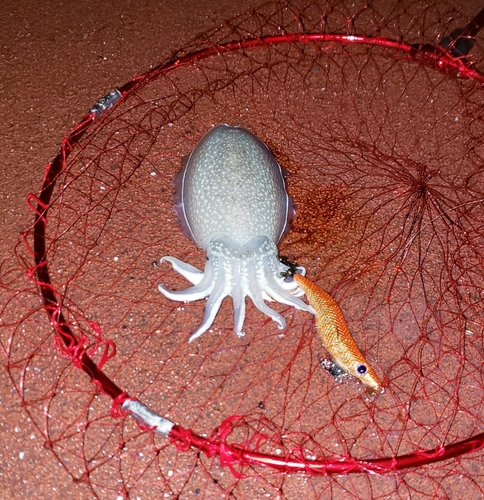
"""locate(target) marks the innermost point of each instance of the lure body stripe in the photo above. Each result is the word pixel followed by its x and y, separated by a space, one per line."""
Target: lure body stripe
pixel 334 334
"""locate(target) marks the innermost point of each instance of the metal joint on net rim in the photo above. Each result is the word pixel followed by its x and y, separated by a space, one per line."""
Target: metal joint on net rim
pixel 106 102
pixel 147 416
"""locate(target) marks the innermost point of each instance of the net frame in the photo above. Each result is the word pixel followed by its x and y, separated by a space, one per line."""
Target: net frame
pixel 81 352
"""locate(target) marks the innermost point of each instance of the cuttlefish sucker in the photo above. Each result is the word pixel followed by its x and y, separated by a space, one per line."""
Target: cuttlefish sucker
pixel 335 336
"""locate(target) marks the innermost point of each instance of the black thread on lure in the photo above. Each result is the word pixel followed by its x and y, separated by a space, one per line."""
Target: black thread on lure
pixel 332 368
pixel 293 266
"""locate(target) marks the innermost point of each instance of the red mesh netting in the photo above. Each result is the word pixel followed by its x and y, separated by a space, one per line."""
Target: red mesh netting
pixel 380 129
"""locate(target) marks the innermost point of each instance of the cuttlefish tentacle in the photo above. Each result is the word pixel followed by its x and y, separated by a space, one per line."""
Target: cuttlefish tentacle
pixel 263 307
pixel 238 298
pixel 189 272
pixel 203 288
pixel 211 309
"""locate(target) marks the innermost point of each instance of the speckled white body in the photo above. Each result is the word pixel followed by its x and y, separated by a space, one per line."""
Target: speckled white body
pixel 233 204
pixel 232 185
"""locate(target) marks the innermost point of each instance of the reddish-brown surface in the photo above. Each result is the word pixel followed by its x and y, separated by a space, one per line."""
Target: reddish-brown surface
pixel 57 58
pixel 57 61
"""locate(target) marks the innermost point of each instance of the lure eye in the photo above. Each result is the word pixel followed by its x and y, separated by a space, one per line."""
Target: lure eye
pixel 361 369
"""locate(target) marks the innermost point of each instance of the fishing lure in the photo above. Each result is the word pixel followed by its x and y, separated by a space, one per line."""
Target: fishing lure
pixel 334 334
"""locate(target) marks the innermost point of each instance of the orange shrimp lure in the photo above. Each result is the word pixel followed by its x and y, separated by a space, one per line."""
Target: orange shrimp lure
pixel 335 336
